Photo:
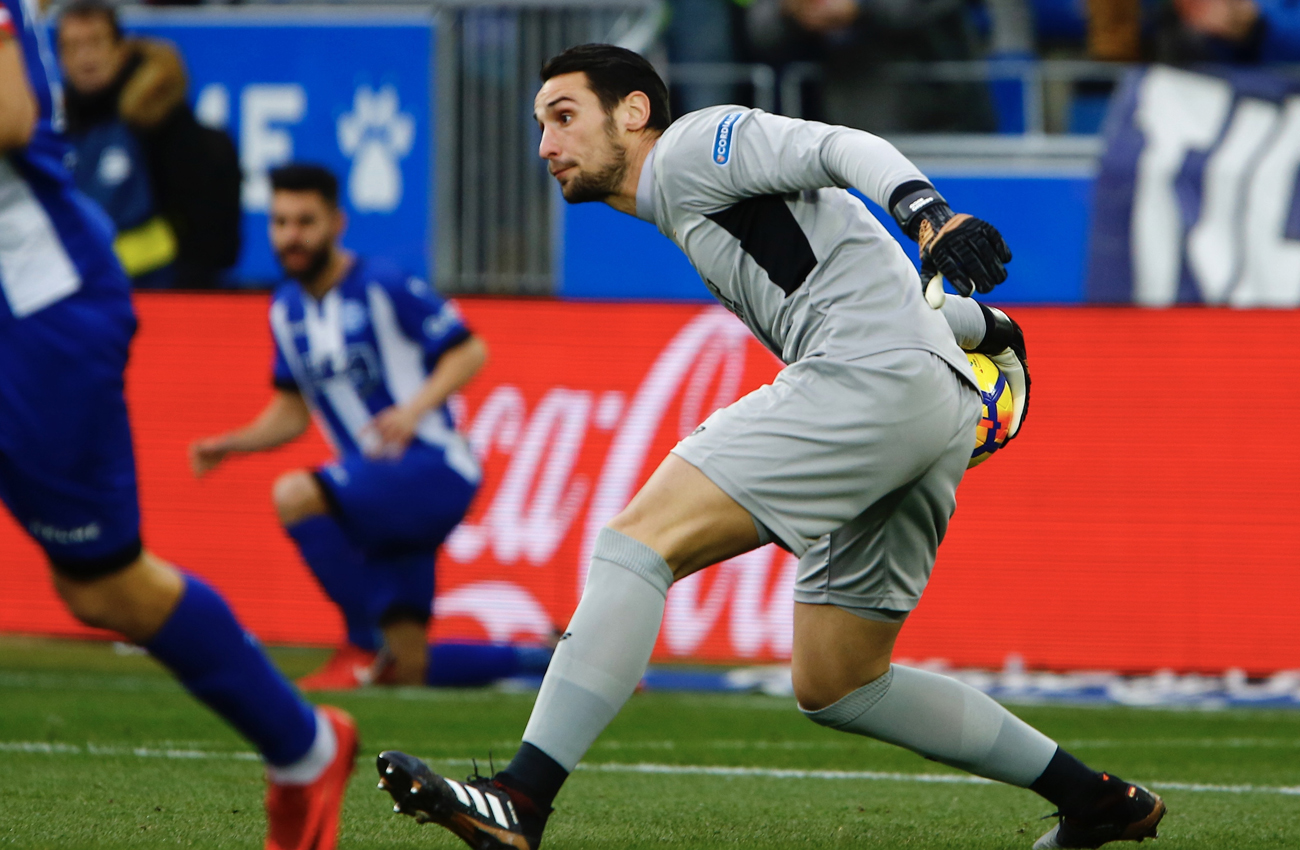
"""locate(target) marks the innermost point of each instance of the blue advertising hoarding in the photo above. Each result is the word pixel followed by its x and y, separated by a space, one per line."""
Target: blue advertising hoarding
pixel 1044 218
pixel 352 92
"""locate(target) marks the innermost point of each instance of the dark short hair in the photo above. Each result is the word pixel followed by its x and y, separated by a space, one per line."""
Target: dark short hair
pixel 94 9
pixel 613 73
pixel 306 177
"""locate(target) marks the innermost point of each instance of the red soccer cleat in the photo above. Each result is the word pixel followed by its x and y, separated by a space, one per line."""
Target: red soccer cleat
pixel 348 668
pixel 306 817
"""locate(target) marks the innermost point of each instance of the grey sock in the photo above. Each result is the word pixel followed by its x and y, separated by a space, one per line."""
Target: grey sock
pixel 944 720
pixel 605 650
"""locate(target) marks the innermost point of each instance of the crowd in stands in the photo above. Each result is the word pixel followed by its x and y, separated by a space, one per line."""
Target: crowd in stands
pixel 856 41
pixel 172 186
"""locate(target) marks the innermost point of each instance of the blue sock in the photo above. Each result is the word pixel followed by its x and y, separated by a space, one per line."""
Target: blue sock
pixel 225 668
pixel 341 569
pixel 471 665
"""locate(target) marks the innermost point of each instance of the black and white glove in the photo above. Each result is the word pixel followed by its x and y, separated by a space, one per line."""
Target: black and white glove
pixel 1004 344
pixel 969 252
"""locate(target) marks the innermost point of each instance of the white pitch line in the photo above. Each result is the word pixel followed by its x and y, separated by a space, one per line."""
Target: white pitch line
pixel 57 748
pixel 50 748
pixel 784 773
pixel 876 776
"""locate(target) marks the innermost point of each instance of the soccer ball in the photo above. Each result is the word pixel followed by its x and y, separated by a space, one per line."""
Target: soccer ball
pixel 995 424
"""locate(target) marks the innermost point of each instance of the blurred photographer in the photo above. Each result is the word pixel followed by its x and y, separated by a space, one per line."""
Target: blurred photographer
pixel 170 185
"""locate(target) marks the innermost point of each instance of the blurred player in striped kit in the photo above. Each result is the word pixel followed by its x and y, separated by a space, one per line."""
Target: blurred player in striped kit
pixel 850 458
pixel 67 469
pixel 374 354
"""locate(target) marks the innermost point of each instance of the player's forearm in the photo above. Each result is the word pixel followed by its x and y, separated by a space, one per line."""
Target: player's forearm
pixel 454 369
pixel 284 419
pixel 868 163
pixel 17 103
pixel 966 320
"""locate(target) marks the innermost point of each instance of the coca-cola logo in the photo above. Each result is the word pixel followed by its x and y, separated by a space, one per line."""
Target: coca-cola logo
pixel 559 468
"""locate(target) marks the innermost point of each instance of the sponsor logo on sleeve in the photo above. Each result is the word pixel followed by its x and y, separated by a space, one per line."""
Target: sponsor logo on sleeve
pixel 722 141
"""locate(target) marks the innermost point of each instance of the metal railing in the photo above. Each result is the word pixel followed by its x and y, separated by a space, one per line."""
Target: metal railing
pixel 495 199
pixel 782 89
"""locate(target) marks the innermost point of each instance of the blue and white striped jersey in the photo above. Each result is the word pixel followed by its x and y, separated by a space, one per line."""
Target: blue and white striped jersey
pixel 369 343
pixel 53 240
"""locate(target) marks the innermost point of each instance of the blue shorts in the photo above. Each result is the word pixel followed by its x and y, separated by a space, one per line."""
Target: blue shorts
pixel 387 507
pixel 67 468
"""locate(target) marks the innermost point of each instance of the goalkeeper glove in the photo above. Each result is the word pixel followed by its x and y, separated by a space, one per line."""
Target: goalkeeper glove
pixel 1004 344
pixel 969 252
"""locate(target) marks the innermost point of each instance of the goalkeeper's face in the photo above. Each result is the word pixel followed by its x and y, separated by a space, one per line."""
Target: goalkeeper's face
pixel 584 146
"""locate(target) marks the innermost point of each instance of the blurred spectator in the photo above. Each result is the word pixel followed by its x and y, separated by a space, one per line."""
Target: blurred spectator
pixel 170 185
pixel 1238 31
pixel 1114 30
pixel 857 40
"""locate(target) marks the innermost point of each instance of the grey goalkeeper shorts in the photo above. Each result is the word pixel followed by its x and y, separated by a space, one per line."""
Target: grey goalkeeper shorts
pixel 854 466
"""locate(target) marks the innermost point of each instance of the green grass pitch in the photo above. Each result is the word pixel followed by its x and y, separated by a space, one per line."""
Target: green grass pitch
pixel 104 751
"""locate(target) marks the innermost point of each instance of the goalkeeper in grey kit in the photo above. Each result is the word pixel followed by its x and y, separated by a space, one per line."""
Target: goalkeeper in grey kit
pixel 850 458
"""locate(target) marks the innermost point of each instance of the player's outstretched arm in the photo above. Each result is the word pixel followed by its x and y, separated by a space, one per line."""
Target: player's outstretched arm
pixel 285 418
pixel 764 154
pixel 761 154
pixel 17 103
pixel 396 425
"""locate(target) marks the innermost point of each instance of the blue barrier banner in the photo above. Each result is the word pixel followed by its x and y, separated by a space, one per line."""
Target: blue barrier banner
pixel 351 92
pixel 1196 199
pixel 1044 218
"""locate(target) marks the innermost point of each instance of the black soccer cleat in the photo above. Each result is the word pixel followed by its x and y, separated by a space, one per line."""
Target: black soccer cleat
pixel 1127 813
pixel 480 811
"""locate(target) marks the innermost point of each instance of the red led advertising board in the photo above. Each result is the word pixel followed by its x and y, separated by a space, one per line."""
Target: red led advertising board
pixel 1146 518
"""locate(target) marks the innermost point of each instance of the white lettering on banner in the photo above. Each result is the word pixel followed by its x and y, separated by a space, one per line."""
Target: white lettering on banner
pixel 627 454
pixel 212 106
pixel 262 143
pixel 525 519
pixel 1271 273
pixel 759 618
pixel 505 610
pixel 1178 112
pixel 762 617
pixel 1214 242
pixel 539 498
pixel 1237 247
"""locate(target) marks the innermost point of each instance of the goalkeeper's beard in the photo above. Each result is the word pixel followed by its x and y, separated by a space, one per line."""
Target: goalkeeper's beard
pixel 604 182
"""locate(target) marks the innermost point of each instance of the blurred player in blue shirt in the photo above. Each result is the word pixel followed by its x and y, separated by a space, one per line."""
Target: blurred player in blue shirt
pixel 67 469
pixel 374 354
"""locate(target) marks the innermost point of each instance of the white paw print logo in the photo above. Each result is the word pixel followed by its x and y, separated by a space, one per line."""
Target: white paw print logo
pixel 376 134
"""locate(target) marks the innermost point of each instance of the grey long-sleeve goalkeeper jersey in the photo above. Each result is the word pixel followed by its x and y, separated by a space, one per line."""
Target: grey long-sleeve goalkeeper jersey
pixel 758 204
